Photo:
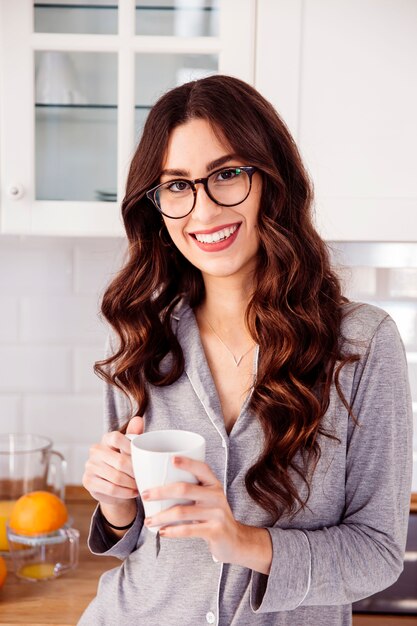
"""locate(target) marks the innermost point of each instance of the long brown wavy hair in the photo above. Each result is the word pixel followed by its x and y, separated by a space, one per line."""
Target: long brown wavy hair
pixel 294 314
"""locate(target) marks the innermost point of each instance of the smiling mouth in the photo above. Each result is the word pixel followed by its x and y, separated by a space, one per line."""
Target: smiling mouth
pixel 219 235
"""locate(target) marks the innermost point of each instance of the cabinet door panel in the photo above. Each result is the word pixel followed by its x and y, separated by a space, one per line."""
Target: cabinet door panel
pixel 179 18
pixel 358 100
pixel 278 56
pixel 75 16
pixel 156 73
pixel 76 126
pixel 358 128
pixel 342 74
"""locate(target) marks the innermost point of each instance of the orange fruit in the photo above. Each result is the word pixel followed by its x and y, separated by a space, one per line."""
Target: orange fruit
pixel 38 512
pixel 3 571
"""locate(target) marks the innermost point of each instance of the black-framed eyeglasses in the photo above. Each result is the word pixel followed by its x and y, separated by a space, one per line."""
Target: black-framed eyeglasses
pixel 228 186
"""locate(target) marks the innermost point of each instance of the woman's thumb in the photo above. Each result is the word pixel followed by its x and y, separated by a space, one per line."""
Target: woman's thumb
pixel 135 426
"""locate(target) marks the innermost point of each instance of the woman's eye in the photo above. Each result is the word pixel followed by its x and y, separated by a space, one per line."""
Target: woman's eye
pixel 178 185
pixel 228 174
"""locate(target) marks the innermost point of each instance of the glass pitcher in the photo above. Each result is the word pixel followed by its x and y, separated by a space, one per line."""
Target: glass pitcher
pixel 27 463
pixel 44 556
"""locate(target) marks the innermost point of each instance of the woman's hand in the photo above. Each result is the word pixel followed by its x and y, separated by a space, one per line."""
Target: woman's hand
pixel 212 519
pixel 108 474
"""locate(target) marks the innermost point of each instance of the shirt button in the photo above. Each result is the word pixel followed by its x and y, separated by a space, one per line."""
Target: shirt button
pixel 210 618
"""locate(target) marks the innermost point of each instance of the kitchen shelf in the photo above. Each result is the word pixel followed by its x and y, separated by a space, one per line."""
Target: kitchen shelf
pixel 41 105
pixel 140 7
pixel 47 5
pixel 179 8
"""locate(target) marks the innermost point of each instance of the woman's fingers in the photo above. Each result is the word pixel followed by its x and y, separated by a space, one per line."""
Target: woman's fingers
pixel 116 441
pixel 102 488
pixel 200 530
pixel 110 473
pixel 111 470
pixel 209 491
pixel 135 426
pixel 200 470
pixel 101 453
pixel 188 491
pixel 185 513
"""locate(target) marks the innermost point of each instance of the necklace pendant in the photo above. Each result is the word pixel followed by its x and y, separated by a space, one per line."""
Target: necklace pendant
pixel 236 360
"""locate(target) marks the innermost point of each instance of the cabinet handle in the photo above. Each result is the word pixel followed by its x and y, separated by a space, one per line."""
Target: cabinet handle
pixel 15 192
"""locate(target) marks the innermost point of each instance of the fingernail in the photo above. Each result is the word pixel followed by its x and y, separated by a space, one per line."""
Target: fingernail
pixel 176 460
pixel 145 495
pixel 148 521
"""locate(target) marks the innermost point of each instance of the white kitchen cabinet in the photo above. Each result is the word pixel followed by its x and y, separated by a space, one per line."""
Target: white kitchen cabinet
pixel 77 81
pixel 343 73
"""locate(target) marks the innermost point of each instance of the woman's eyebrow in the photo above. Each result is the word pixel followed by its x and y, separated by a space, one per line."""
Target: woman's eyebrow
pixel 209 167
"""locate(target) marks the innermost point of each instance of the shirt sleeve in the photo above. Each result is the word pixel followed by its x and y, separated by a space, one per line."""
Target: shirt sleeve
pixel 364 553
pixel 101 543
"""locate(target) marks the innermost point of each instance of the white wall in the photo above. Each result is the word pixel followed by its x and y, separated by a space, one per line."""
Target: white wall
pixel 50 336
pixel 386 275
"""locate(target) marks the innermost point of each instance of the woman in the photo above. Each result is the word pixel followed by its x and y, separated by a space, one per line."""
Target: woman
pixel 228 321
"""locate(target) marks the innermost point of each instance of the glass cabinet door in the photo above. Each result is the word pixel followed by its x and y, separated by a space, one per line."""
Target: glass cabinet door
pixel 179 18
pixel 76 16
pixel 78 78
pixel 75 125
pixel 156 73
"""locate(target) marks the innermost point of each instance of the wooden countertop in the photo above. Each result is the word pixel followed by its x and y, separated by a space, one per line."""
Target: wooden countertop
pixel 60 602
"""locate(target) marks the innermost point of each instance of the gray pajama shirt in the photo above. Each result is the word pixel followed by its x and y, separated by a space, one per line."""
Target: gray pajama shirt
pixel 347 544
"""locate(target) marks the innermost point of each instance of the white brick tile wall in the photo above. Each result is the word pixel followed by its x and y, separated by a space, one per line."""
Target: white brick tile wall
pixel 85 380
pixel 96 262
pixel 9 319
pixel 405 316
pixel 10 413
pixel 403 282
pixel 60 319
pixel 25 271
pixel 76 457
pixel 358 282
pixel 50 336
pixel 32 368
pixel 70 419
pixel 80 456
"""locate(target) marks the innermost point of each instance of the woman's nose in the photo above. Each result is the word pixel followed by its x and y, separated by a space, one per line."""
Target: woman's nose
pixel 205 210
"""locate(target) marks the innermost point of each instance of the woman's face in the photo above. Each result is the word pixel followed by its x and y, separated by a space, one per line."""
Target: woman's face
pixel 193 152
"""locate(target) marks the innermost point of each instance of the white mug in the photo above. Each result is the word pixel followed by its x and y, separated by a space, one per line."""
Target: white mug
pixel 152 465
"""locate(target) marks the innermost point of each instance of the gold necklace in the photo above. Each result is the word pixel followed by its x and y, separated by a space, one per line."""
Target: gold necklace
pixel 237 361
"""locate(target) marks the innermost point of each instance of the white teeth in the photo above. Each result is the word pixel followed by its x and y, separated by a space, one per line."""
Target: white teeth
pixel 219 235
